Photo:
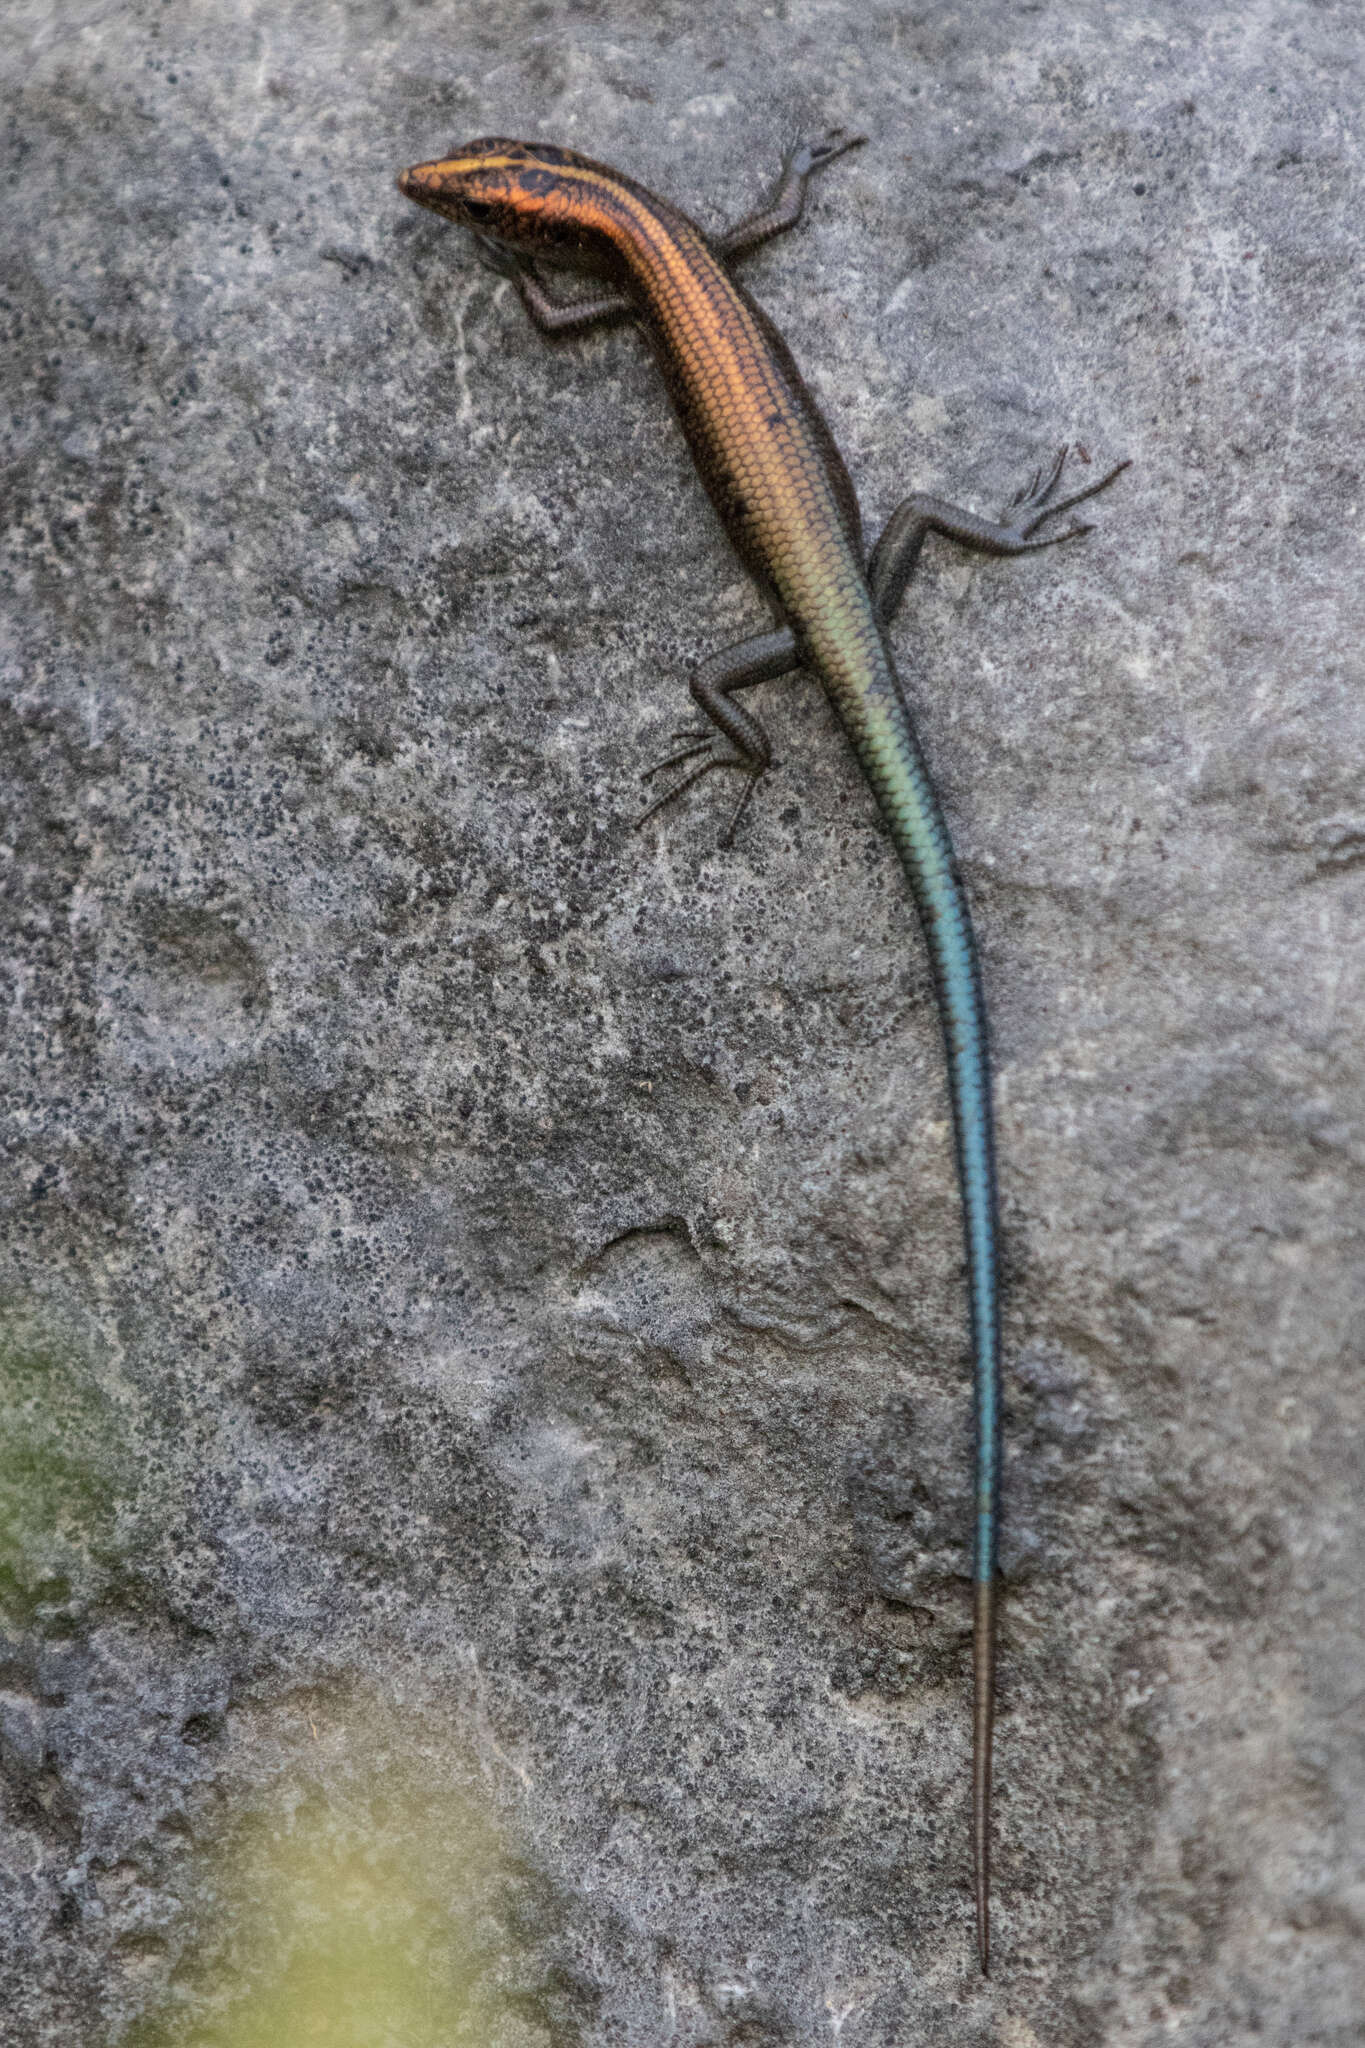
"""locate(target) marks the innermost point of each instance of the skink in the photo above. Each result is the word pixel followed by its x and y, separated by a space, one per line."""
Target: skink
pixel 776 478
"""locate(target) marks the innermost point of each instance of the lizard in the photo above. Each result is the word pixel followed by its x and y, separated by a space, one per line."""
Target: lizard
pixel 774 474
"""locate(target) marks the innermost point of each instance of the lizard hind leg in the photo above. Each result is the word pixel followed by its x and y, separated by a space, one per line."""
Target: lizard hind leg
pixel 713 686
pixel 893 560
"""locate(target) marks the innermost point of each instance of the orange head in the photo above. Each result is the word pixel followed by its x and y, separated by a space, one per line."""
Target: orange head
pixel 528 195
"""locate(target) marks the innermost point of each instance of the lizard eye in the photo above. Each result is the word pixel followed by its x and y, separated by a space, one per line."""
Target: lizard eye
pixel 478 209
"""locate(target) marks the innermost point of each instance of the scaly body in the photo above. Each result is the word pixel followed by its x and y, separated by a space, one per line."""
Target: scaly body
pixel 778 483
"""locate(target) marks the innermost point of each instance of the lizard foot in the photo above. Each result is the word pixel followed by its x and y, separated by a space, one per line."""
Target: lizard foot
pixel 1029 507
pixel 812 156
pixel 702 746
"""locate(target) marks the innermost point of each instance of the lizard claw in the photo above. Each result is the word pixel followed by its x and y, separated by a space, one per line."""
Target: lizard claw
pixel 702 745
pixel 1029 507
pixel 694 775
pixel 812 156
pixel 671 795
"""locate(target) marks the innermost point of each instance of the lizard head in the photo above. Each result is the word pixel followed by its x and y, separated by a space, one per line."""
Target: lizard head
pixel 527 195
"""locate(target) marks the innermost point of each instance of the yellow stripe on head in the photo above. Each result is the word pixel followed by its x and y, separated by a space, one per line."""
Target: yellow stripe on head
pixel 527 194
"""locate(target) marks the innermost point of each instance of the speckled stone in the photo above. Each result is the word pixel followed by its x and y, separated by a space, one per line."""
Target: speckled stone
pixel 481 1322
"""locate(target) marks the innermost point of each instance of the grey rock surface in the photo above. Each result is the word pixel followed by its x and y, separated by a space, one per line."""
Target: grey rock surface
pixel 485 1417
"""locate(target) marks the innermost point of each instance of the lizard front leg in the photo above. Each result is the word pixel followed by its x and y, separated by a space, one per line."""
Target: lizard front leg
pixel 781 211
